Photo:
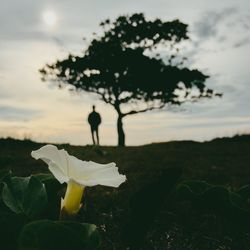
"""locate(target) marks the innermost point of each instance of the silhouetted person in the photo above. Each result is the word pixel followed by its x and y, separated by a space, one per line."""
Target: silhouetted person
pixel 94 120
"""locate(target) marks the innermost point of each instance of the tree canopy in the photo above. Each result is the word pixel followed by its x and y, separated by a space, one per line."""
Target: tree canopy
pixel 124 67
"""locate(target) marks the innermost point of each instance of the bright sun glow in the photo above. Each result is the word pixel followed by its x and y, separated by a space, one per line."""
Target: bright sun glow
pixel 49 18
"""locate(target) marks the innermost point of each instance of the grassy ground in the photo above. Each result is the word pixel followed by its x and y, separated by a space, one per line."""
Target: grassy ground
pixel 222 161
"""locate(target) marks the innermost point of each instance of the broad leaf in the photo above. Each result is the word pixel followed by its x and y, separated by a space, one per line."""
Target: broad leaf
pixel 244 192
pixel 146 204
pixel 4 174
pixel 55 191
pixel 51 235
pixel 26 195
pixel 191 189
pixel 10 227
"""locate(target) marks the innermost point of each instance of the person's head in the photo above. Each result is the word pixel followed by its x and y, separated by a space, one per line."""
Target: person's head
pixel 93 107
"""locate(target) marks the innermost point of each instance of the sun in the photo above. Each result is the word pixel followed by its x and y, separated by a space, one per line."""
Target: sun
pixel 49 18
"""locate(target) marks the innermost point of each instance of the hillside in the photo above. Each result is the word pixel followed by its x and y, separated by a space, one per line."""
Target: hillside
pixel 223 161
pixel 220 161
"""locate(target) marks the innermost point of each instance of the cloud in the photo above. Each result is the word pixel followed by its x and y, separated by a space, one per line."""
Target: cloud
pixel 4 95
pixel 242 42
pixel 209 34
pixel 8 113
pixel 228 27
pixel 207 26
pixel 27 44
pixel 217 122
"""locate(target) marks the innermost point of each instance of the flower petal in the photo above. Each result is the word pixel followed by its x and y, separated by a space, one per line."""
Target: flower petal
pixel 56 159
pixel 89 173
pixel 58 174
pixel 66 167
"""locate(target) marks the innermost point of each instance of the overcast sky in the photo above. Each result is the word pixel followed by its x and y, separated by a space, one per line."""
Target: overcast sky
pixel 33 33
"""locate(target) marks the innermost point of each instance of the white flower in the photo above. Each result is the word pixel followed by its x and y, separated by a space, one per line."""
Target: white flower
pixel 67 168
pixel 77 174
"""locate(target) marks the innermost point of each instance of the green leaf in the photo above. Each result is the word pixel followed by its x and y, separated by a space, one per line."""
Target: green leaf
pixel 217 199
pixel 53 186
pixel 146 204
pixel 25 195
pixel 237 201
pixel 44 177
pixel 244 191
pixel 10 227
pixel 226 203
pixel 191 189
pixel 240 210
pixel 54 192
pixel 63 235
pixel 4 174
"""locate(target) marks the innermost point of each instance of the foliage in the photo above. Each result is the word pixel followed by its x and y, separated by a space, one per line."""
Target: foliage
pixel 18 192
pixel 190 212
pixel 50 235
pixel 22 211
pixel 124 67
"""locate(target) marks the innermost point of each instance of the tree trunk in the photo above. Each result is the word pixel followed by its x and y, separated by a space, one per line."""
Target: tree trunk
pixel 121 135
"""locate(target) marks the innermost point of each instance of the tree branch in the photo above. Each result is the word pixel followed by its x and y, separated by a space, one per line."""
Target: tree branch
pixel 102 96
pixel 132 112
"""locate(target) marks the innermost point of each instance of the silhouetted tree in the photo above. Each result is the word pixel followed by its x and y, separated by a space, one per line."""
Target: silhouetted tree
pixel 123 66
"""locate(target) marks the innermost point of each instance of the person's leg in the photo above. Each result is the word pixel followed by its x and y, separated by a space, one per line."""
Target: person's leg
pixel 92 133
pixel 97 135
